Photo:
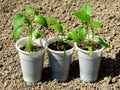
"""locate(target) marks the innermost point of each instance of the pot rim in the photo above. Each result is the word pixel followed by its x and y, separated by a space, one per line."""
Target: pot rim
pixel 24 38
pixel 75 44
pixel 55 50
pixel 86 50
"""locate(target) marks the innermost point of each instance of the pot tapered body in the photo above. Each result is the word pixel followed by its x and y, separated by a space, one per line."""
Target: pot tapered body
pixel 31 62
pixel 59 61
pixel 89 65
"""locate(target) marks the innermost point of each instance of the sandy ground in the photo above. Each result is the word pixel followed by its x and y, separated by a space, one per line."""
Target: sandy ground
pixel 107 11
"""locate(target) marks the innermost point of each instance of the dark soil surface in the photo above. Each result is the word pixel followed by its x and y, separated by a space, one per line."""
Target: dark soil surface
pixel 106 11
pixel 60 46
pixel 34 48
pixel 84 45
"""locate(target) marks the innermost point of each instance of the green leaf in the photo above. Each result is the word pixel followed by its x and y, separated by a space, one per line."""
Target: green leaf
pixel 18 21
pixel 41 20
pixel 101 41
pixel 29 10
pixel 51 21
pixel 90 50
pixel 67 39
pixel 34 33
pixel 82 33
pixel 64 26
pixel 96 25
pixel 73 36
pixel 57 27
pixel 39 35
pixel 28 21
pixel 18 32
pixel 83 16
pixel 88 9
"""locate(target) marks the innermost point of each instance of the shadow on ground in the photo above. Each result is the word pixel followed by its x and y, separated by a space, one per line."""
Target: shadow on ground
pixel 73 73
pixel 109 67
pixel 46 74
pixel 74 70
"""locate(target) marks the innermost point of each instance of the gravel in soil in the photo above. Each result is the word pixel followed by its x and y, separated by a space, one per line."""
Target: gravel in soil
pixel 106 11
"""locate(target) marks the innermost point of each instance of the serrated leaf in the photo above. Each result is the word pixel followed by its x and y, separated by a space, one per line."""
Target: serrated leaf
pixel 90 50
pixel 82 33
pixel 64 26
pixel 57 27
pixel 73 36
pixel 88 9
pixel 96 25
pixel 101 41
pixel 51 21
pixel 39 35
pixel 18 32
pixel 83 16
pixel 41 20
pixel 18 21
pixel 29 10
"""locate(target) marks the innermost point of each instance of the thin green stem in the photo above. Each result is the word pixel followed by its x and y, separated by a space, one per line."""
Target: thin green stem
pixel 88 32
pixel 30 38
pixel 92 35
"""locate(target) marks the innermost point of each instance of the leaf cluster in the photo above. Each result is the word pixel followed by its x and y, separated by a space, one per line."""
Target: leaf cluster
pixel 87 29
pixel 21 21
pixel 57 27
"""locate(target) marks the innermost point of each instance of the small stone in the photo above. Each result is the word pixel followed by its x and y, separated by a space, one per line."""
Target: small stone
pixel 5 84
pixel 106 87
pixel 118 80
pixel 119 76
pixel 108 80
pixel 114 79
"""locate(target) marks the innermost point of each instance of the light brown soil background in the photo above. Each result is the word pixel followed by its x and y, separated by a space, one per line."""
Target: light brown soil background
pixel 107 11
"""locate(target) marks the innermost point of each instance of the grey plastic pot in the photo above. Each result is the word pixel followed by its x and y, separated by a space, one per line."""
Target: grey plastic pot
pixel 59 62
pixel 89 65
pixel 31 62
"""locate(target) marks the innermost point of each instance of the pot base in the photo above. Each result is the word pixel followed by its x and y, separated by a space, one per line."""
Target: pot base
pixel 88 77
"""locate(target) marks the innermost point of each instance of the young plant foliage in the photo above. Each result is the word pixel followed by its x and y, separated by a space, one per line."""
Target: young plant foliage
pixel 24 20
pixel 87 29
pixel 60 30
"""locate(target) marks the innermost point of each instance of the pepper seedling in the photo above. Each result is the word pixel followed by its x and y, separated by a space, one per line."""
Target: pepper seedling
pixel 87 29
pixel 30 19
pixel 59 28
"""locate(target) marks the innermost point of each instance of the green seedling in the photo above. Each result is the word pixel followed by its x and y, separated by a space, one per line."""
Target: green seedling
pixel 30 19
pixel 87 29
pixel 59 28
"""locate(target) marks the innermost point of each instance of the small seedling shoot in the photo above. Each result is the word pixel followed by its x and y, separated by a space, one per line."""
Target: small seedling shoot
pixel 87 29
pixel 58 27
pixel 60 30
pixel 31 21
